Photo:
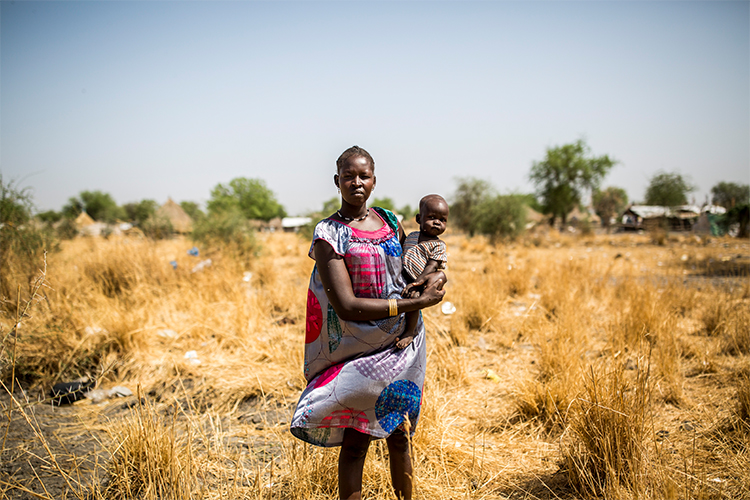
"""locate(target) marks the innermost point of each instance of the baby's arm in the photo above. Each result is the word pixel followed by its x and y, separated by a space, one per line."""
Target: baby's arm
pixel 409 290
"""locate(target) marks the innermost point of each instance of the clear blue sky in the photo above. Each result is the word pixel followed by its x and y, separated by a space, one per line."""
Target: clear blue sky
pixel 157 99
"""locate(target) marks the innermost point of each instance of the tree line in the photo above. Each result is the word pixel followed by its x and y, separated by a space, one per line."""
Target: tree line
pixel 566 176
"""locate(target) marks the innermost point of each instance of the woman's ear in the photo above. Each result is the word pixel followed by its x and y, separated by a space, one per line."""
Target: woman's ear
pixel 336 179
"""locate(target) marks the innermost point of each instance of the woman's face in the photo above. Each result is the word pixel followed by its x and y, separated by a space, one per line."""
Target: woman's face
pixel 356 180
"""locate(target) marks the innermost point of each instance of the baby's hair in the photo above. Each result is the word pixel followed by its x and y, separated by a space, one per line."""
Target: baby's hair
pixel 353 151
pixel 429 198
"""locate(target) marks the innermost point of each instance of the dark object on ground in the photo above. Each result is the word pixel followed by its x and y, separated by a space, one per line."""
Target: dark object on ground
pixel 67 393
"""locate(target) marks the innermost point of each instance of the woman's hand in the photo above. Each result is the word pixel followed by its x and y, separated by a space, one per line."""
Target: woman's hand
pixel 433 290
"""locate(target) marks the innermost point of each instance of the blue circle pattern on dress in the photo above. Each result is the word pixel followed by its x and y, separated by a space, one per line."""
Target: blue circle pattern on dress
pixel 400 398
pixel 391 247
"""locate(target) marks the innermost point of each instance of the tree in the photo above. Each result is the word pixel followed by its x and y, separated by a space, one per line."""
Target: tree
pixel 668 189
pixel 100 206
pixel 501 216
pixel 469 194
pixel 386 203
pixel 49 216
pixel 193 210
pixel 565 173
pixel 330 206
pixel 730 194
pixel 251 196
pixel 140 212
pixel 407 212
pixel 609 203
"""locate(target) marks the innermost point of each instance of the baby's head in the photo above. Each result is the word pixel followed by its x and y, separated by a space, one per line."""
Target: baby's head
pixel 433 215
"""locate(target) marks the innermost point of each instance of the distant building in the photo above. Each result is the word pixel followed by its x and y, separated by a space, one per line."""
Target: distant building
pixel 174 213
pixel 652 217
pixel 293 224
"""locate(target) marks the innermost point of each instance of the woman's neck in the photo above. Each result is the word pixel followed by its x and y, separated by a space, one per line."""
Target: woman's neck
pixel 349 212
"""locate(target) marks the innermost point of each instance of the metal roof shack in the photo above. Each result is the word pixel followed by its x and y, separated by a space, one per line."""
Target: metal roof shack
pixel 290 224
pixel 652 217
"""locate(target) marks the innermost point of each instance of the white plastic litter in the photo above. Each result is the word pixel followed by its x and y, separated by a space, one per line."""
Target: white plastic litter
pixel 247 276
pixel 98 395
pixel 201 265
pixel 192 357
pixel 167 333
pixel 448 308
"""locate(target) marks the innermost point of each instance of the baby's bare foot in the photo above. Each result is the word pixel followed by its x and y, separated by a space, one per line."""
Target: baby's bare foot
pixel 404 342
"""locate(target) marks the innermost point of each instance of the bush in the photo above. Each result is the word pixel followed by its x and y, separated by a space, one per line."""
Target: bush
pixel 22 242
pixel 228 230
pixel 157 228
pixel 501 217
pixel 66 229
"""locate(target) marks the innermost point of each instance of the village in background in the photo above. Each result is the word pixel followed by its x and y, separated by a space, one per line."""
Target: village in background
pixel 568 197
pixel 156 352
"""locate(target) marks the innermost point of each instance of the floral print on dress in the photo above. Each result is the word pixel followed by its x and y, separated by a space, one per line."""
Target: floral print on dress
pixel 356 377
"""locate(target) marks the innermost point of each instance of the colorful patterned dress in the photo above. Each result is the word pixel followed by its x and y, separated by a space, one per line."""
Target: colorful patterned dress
pixel 356 377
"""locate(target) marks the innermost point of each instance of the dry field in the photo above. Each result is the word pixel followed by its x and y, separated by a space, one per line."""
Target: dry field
pixel 601 367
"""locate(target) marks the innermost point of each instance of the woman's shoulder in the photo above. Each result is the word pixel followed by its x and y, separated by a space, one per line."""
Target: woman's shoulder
pixel 334 233
pixel 388 216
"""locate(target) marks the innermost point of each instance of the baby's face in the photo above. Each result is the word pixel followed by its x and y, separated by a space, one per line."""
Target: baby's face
pixel 434 217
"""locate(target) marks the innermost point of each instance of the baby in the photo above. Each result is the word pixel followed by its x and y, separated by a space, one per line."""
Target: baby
pixel 424 253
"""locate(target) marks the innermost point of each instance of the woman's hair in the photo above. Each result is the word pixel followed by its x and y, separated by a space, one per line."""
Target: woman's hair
pixel 353 151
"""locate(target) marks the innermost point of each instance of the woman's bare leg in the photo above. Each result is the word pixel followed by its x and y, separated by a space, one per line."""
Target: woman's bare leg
pixel 351 463
pixel 401 469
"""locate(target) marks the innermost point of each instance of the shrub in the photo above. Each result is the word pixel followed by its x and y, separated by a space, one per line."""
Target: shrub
pixel 66 229
pixel 22 241
pixel 229 230
pixel 501 217
pixel 157 228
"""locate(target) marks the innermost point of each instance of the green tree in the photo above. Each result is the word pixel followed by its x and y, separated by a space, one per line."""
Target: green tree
pixel 565 173
pixel 193 210
pixel 730 194
pixel 407 212
pixel 100 206
pixel 251 196
pixel 386 203
pixel 49 216
pixel 470 193
pixel 668 189
pixel 330 206
pixel 139 212
pixel 531 200
pixel 229 230
pixel 501 217
pixel 609 203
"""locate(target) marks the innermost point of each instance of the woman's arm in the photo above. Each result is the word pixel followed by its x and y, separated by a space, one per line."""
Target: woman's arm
pixel 338 287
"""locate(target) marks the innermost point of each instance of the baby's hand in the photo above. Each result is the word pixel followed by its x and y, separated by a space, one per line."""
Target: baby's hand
pixel 409 292
pixel 404 342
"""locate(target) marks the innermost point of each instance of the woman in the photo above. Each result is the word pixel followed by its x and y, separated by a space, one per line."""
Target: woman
pixel 359 385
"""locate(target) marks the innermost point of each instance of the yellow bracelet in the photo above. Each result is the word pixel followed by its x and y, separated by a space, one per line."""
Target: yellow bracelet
pixel 392 307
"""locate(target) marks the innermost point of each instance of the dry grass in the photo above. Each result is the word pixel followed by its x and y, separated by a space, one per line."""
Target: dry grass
pixel 598 367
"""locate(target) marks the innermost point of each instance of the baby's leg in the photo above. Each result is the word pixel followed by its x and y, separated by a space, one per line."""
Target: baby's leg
pixel 410 331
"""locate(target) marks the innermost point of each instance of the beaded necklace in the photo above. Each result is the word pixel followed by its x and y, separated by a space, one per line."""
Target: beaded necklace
pixel 352 219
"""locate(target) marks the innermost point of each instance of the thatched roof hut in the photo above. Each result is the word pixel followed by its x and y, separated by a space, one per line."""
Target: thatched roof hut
pixel 84 220
pixel 180 220
pixel 577 215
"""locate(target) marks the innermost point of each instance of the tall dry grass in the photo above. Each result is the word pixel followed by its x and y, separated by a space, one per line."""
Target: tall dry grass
pixel 569 365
